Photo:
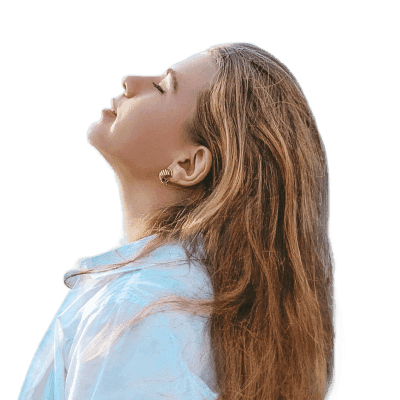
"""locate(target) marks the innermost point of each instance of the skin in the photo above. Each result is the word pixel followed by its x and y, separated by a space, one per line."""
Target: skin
pixel 146 137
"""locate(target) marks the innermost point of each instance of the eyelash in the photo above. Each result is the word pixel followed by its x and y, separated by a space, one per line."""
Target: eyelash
pixel 158 87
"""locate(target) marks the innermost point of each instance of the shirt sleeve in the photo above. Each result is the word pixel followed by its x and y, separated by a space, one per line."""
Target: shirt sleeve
pixel 161 357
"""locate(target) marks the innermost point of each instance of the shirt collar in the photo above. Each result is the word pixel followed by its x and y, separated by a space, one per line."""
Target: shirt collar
pixel 168 253
pixel 118 254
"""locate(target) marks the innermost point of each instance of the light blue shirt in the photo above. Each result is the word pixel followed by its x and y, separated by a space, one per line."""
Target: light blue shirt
pixel 165 356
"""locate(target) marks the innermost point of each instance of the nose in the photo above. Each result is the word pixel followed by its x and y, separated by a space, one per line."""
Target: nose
pixel 129 84
pixel 124 84
pixel 133 84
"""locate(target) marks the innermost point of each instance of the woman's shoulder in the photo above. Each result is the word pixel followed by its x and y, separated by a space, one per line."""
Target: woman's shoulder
pixel 158 278
pixel 166 271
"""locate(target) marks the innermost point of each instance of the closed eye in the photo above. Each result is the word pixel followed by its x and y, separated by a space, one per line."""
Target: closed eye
pixel 158 87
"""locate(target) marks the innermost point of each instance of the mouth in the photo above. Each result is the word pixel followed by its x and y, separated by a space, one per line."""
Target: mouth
pixel 109 112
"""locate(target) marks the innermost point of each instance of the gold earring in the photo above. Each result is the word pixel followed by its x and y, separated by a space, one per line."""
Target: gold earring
pixel 164 175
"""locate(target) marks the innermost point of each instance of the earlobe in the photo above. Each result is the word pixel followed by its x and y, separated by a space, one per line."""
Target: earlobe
pixel 165 175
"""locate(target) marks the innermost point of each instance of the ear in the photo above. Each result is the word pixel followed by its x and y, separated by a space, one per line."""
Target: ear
pixel 191 167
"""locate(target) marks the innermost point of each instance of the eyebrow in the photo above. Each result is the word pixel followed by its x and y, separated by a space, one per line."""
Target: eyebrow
pixel 174 79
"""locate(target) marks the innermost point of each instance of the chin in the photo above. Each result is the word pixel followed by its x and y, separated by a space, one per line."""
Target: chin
pixel 96 133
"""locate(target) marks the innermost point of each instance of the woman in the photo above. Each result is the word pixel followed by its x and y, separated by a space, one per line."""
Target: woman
pixel 224 290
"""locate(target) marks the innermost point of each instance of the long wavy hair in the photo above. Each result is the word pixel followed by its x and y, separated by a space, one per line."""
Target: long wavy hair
pixel 262 212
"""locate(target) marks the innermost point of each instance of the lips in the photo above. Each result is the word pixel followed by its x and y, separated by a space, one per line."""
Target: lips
pixel 109 112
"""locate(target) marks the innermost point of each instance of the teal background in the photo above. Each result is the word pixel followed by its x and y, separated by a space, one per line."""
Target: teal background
pixel 62 63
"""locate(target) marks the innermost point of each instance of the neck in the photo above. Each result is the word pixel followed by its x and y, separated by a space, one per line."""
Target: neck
pixel 139 200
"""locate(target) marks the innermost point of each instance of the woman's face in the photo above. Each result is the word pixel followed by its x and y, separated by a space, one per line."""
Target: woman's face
pixel 146 136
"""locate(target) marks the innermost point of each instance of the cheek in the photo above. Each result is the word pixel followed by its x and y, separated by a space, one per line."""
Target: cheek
pixel 145 139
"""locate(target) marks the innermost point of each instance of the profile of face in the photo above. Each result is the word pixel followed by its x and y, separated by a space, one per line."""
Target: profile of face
pixel 146 135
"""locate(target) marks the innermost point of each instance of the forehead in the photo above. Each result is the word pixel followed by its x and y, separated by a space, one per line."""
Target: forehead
pixel 195 71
